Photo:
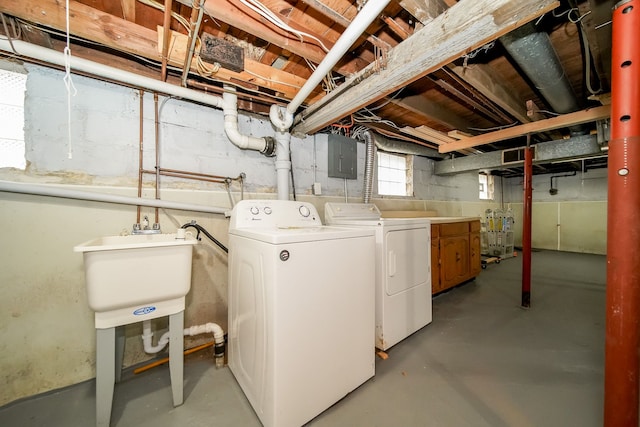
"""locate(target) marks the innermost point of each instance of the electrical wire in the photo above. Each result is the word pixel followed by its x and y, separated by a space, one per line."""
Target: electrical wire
pixel 265 12
pixel 493 128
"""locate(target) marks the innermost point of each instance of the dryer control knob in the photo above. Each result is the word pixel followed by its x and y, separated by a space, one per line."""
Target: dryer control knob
pixel 304 211
pixel 254 210
pixel 267 210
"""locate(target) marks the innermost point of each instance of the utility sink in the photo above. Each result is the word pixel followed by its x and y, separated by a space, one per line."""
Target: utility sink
pixel 136 277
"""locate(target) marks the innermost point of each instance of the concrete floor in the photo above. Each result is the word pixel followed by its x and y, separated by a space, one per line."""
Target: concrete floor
pixel 483 361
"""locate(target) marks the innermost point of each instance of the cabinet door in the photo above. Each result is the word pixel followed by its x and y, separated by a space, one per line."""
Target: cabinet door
pixel 454 253
pixel 435 265
pixel 475 260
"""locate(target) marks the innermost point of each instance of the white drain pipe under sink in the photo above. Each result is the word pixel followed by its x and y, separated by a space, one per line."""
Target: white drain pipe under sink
pixel 207 328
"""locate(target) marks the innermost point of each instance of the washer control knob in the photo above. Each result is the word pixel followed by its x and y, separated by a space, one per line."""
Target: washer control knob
pixel 267 210
pixel 254 210
pixel 304 211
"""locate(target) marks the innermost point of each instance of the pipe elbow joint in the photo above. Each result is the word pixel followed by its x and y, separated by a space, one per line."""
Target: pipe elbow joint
pixel 280 118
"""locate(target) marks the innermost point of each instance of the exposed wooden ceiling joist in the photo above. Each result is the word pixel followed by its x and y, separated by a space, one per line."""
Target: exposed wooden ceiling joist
pixel 465 26
pixel 483 78
pixel 125 36
pixel 566 120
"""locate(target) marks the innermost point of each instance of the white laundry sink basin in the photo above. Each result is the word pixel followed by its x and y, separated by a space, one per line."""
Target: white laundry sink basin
pixel 132 273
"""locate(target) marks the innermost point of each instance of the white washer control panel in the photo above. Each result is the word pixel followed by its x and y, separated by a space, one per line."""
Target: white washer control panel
pixel 274 214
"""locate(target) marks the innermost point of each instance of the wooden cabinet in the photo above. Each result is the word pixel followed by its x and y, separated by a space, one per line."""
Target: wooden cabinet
pixel 455 253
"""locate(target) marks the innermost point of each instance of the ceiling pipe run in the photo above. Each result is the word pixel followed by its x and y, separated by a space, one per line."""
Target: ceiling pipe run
pixel 281 117
pixel 105 72
pixel 534 53
pixel 65 193
pixel 227 103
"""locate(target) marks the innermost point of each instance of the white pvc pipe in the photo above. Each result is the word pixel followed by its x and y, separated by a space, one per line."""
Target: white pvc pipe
pixel 147 339
pixel 48 190
pixel 230 107
pixel 106 72
pixel 228 102
pixel 207 328
pixel 283 164
pixel 363 19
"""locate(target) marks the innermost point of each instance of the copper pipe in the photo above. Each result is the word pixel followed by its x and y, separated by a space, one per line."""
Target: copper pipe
pixel 187 175
pixel 140 152
pixel 526 226
pixel 621 373
pixel 168 6
pixel 157 167
pixel 225 178
pixel 166 359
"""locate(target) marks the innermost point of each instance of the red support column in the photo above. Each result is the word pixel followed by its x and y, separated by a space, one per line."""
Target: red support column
pixel 623 226
pixel 526 226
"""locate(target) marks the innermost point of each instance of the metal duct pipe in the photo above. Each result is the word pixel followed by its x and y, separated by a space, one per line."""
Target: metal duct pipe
pixel 534 53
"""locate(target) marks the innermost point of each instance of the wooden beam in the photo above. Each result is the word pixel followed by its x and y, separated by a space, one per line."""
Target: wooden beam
pixel 246 20
pixel 129 10
pixel 484 79
pixel 424 10
pixel 566 120
pixel 124 36
pixel 464 27
pixel 431 111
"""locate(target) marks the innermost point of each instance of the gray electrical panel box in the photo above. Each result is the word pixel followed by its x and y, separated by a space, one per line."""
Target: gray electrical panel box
pixel 343 157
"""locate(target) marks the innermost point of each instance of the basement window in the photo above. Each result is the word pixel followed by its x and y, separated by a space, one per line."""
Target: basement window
pixel 486 186
pixel 12 148
pixel 395 174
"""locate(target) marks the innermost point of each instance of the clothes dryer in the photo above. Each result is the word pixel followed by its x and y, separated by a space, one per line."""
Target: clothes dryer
pixel 403 268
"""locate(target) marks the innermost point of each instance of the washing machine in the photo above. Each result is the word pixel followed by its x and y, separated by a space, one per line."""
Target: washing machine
pixel 403 268
pixel 301 309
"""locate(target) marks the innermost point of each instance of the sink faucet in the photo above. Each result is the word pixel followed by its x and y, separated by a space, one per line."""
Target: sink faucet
pixel 144 228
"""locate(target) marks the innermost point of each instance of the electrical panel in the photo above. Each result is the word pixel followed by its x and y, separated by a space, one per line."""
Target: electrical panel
pixel 343 157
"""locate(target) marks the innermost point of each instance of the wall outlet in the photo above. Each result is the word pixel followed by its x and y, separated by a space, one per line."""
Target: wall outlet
pixel 316 189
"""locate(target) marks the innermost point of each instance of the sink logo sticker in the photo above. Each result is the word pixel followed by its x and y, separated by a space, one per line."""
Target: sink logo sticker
pixel 144 310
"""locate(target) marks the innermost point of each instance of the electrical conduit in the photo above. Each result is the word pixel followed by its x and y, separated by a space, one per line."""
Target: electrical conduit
pixel 368 165
pixel 207 328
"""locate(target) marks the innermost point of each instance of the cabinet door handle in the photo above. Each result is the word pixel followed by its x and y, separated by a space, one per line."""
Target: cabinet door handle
pixel 458 256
